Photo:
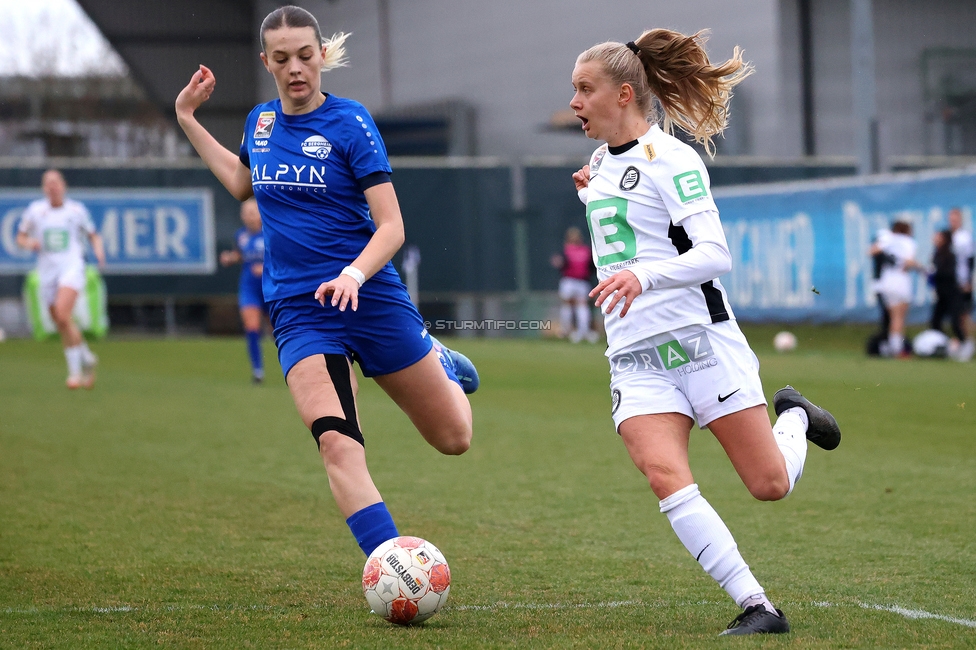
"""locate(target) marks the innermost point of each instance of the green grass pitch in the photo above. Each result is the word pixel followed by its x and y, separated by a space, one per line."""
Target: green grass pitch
pixel 176 505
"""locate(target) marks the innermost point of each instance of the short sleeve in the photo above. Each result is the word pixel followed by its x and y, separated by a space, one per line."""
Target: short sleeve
pixel 85 222
pixel 682 180
pixel 27 220
pixel 245 156
pixel 366 150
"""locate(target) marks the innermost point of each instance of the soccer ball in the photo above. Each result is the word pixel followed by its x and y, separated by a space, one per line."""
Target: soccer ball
pixel 406 580
pixel 784 342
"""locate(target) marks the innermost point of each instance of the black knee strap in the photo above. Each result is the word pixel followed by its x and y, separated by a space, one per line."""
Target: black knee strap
pixel 338 368
pixel 331 423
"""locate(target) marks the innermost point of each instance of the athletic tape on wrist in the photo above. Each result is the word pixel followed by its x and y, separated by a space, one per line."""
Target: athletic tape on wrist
pixel 355 274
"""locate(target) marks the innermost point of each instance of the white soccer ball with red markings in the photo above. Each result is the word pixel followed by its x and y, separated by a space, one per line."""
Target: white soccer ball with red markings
pixel 406 580
pixel 784 342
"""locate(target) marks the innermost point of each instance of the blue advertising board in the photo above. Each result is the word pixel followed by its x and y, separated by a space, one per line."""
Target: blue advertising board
pixel 152 231
pixel 800 250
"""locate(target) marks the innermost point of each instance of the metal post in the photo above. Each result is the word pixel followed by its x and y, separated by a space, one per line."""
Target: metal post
pixel 169 312
pixel 520 229
pixel 863 87
pixel 520 234
pixel 411 268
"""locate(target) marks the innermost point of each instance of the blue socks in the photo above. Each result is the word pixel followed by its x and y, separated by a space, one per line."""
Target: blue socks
pixel 372 526
pixel 254 351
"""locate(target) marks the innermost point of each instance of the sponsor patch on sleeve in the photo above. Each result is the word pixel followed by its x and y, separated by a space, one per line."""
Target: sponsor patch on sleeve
pixel 690 186
pixel 649 152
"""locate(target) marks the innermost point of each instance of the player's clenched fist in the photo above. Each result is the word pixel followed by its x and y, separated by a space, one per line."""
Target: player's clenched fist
pixel 199 89
pixel 582 177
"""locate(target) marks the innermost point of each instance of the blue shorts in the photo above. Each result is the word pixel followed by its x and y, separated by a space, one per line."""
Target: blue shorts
pixel 250 293
pixel 384 335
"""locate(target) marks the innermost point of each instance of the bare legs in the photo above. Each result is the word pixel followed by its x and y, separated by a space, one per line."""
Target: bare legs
pixel 436 406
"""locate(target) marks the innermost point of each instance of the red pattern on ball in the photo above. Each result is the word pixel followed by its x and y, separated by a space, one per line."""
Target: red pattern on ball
pixel 371 574
pixel 402 611
pixel 409 542
pixel 440 578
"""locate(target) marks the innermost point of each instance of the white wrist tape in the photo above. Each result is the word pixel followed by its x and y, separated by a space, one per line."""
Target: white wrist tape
pixel 355 274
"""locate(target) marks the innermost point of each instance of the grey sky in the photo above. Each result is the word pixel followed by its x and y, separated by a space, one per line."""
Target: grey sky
pixel 52 37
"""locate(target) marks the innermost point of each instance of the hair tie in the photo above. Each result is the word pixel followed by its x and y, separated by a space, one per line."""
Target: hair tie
pixel 633 48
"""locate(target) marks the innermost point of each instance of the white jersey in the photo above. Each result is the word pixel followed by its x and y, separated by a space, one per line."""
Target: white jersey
pixel 895 283
pixel 635 203
pixel 962 248
pixel 62 232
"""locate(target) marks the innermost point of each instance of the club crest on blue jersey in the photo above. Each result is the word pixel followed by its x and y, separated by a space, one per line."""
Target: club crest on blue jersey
pixel 316 146
pixel 265 123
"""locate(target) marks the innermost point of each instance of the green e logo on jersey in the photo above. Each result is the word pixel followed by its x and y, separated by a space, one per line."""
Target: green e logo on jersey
pixel 690 186
pixel 55 240
pixel 672 354
pixel 612 236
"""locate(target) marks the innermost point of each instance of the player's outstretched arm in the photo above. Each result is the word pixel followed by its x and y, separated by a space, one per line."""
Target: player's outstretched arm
pixel 223 162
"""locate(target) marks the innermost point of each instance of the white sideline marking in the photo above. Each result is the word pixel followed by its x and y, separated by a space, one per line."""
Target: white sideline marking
pixel 919 613
pixel 913 614
pixel 489 608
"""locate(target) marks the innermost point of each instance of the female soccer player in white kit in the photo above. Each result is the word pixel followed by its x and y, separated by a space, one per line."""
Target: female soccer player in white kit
pixel 55 227
pixel 676 353
pixel 895 283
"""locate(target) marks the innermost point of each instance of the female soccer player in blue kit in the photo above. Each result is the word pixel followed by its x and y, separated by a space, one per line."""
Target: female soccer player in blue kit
pixel 249 251
pixel 320 174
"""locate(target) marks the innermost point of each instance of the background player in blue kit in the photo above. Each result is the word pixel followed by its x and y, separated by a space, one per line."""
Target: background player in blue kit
pixel 319 171
pixel 249 250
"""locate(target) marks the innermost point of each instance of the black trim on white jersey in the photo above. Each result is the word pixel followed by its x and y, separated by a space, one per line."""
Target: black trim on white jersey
pixel 713 297
pixel 624 148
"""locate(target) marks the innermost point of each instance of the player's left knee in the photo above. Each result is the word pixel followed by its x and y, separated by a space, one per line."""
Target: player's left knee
pixel 347 428
pixel 770 488
pixel 61 316
pixel 452 439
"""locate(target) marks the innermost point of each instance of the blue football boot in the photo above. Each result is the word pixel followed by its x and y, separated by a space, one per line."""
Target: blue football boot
pixel 458 367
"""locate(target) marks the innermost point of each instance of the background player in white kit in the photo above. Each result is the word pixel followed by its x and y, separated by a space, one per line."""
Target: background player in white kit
pixel 55 228
pixel 895 284
pixel 962 247
pixel 676 353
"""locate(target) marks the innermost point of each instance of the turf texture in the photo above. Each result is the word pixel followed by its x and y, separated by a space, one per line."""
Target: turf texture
pixel 177 505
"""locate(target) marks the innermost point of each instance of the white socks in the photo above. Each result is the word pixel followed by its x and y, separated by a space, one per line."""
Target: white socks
pixel 566 318
pixel 897 344
pixel 790 432
pixel 709 541
pixel 74 356
pixel 582 319
pixel 86 354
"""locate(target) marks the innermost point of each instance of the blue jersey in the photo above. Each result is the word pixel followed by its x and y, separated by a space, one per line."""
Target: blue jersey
pixel 306 172
pixel 251 246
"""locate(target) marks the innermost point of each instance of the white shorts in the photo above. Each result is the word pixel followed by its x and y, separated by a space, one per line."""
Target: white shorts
pixel 574 289
pixel 895 287
pixel 72 277
pixel 702 371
